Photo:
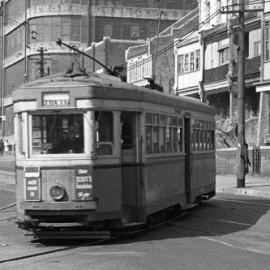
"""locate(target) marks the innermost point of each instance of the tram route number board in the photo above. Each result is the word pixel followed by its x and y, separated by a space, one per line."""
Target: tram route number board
pixel 83 184
pixel 32 183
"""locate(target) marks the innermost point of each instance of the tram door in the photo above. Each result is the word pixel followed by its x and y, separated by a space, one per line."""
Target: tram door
pixel 188 158
pixel 131 159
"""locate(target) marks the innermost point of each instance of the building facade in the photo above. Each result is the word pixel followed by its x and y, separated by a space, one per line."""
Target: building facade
pixel 219 39
pixel 31 27
pixel 188 68
pixel 156 58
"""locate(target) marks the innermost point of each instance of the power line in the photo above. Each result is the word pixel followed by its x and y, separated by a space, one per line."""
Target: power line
pixel 165 49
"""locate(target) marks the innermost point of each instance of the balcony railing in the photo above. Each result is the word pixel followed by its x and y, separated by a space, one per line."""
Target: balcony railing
pixel 215 74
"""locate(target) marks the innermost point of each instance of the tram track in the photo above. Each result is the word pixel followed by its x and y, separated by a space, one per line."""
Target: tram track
pixel 96 242
pixel 204 233
pixel 7 209
pixel 43 253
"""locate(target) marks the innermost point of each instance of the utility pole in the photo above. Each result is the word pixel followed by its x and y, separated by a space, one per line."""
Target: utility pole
pixel 156 49
pixel 242 146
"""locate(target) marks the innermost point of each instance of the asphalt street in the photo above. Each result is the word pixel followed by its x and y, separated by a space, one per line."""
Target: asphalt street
pixel 227 232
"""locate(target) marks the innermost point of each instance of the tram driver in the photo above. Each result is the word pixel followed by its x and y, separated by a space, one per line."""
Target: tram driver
pixel 71 140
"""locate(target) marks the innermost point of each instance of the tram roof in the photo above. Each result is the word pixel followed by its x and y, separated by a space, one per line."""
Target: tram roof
pixel 100 86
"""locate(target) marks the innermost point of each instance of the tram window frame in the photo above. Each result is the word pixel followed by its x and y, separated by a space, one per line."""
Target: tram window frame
pixel 104 147
pixel 67 135
pixel 22 123
pixel 164 133
pixel 203 135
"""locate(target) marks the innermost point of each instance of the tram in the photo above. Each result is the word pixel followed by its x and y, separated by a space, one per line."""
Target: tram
pixel 94 154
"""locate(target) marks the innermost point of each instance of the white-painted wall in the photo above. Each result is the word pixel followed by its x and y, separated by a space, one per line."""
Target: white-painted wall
pixel 139 68
pixel 188 79
pixel 266 71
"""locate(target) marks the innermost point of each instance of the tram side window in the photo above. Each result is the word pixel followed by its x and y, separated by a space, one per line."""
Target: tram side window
pixel 57 134
pixel 164 133
pixel 104 132
pixel 203 135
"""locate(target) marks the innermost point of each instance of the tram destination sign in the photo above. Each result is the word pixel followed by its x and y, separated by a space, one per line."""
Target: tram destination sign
pixel 56 99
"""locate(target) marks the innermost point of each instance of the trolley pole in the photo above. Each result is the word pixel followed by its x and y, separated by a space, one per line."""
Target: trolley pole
pixel 242 147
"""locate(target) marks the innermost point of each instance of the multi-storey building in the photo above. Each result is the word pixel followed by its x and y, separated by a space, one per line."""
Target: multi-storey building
pixel 219 40
pixel 31 27
pixel 216 80
pixel 156 59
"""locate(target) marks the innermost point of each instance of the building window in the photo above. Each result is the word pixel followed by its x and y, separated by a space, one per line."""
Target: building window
pixel 192 61
pixel 108 30
pixel 267 56
pixel 197 59
pixel 187 62
pixel 180 63
pixel 257 48
pixel 134 31
pixel 223 56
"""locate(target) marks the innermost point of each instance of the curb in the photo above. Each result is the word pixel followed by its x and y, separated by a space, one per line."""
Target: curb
pixel 245 191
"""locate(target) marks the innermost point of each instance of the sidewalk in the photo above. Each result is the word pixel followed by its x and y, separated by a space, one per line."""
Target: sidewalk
pixel 254 186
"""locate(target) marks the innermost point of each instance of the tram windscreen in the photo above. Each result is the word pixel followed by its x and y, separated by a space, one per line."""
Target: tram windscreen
pixel 57 134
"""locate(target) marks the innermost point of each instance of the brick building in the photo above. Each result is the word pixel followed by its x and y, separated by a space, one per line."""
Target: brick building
pixel 30 25
pixel 110 52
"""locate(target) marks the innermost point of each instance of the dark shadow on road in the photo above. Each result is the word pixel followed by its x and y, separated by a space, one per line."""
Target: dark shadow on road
pixel 219 216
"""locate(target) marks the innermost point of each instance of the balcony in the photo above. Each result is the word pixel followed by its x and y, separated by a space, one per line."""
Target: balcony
pixel 252 68
pixel 216 74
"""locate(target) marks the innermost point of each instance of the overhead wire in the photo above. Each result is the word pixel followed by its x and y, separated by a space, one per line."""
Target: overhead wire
pixel 206 21
pixel 165 49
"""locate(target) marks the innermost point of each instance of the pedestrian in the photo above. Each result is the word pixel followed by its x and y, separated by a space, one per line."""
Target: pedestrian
pixel 6 148
pixel 1 147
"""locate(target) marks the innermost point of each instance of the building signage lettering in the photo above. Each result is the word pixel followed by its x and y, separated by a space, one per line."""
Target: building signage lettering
pixel 57 99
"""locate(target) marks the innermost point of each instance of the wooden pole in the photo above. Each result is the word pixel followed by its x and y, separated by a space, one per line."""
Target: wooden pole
pixel 242 146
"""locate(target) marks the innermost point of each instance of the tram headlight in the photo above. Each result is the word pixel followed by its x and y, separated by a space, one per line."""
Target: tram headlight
pixel 57 192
